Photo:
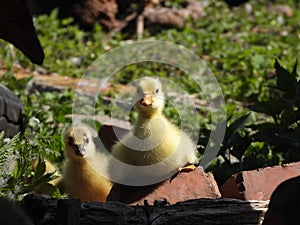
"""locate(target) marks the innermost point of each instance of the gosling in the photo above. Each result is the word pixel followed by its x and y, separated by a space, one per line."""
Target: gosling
pixel 80 179
pixel 154 139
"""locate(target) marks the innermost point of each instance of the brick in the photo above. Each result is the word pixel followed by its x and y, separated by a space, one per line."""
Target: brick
pixel 258 184
pixel 184 186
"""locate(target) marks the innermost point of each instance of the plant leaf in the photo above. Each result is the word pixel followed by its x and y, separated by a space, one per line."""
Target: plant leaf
pixel 8 148
pixel 292 135
pixel 40 168
pixel 271 107
pixel 294 71
pixel 238 123
pixel 285 80
pixel 46 188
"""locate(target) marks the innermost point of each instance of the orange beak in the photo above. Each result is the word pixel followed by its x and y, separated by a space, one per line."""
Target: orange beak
pixel 147 100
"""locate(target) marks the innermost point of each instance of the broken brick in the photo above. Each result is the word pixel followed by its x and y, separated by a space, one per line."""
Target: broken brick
pixel 258 184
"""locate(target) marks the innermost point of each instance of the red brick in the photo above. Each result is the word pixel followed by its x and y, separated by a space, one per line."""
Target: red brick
pixel 192 185
pixel 258 184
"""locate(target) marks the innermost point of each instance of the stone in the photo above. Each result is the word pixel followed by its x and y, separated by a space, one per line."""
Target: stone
pixel 258 184
pixel 185 186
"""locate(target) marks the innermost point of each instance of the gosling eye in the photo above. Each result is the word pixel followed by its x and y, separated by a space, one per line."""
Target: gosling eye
pixel 86 139
pixel 71 141
pixel 157 90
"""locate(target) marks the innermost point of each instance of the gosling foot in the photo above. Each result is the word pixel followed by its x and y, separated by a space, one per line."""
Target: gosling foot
pixel 185 169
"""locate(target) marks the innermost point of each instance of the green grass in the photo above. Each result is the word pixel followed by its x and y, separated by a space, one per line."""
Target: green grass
pixel 239 47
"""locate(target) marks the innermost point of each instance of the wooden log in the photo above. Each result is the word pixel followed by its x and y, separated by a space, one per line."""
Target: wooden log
pixel 197 211
pixel 68 211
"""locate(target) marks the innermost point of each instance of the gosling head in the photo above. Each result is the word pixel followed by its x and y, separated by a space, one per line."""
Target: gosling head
pixel 79 142
pixel 149 98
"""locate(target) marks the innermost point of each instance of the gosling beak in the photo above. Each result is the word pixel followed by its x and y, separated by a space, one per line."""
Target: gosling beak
pixel 80 150
pixel 147 100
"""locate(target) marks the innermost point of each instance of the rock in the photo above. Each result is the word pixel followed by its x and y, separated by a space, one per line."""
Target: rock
pixel 282 9
pixel 113 15
pixel 184 186
pixel 91 11
pixel 258 184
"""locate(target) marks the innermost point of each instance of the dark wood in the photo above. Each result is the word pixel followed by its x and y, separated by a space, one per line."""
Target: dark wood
pixel 68 211
pixel 198 211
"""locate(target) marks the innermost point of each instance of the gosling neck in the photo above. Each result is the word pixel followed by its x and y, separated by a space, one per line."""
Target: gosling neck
pixel 144 115
pixel 144 122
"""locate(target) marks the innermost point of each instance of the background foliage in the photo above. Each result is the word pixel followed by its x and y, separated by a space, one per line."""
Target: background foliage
pixel 239 44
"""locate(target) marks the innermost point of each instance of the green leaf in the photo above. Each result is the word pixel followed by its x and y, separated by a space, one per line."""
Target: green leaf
pixel 285 80
pixel 294 71
pixel 40 168
pixel 240 146
pixel 269 136
pixel 292 135
pixel 238 123
pixel 271 107
pixel 45 178
pixel 262 126
pixel 46 188
pixel 8 148
pixel 232 136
